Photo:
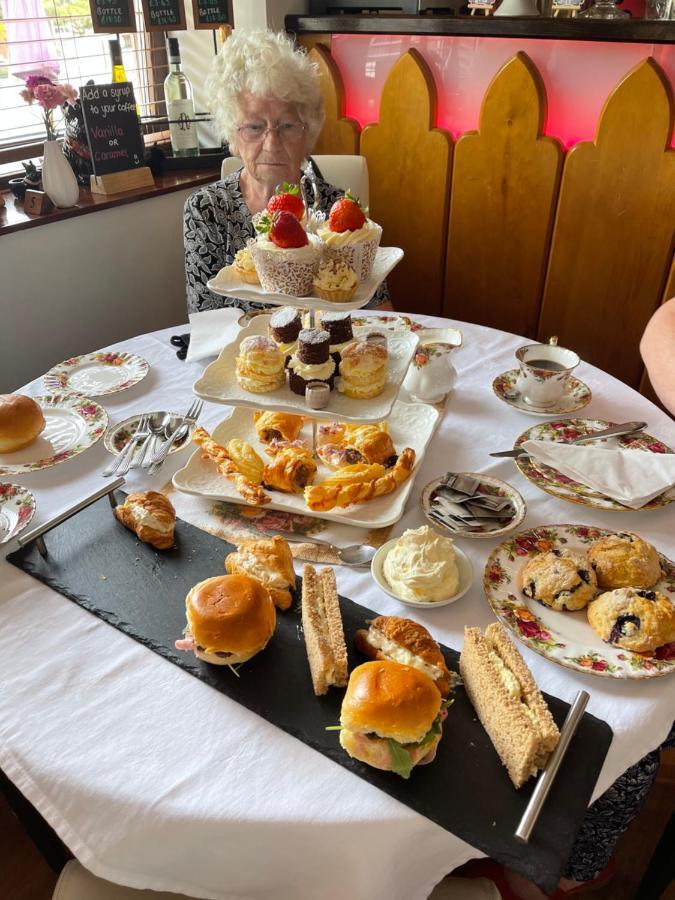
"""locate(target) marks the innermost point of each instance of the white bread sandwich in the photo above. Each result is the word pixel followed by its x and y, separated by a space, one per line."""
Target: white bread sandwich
pixel 230 618
pixel 322 626
pixel 508 702
pixel 391 716
pixel 404 641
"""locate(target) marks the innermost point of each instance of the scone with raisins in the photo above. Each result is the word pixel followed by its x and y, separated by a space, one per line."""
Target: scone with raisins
pixel 561 579
pixel 635 619
pixel 624 560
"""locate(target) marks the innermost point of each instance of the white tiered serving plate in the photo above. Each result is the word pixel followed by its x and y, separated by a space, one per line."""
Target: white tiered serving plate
pixel 410 425
pixel 227 284
pixel 218 382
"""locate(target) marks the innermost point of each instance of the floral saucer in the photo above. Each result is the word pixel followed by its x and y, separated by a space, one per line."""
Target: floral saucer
pixel 493 487
pixel 72 424
pixel 554 482
pixel 17 508
pixel 566 638
pixel 117 436
pixel 576 396
pixel 97 374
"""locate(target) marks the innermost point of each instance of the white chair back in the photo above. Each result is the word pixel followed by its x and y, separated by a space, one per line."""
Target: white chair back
pixel 349 173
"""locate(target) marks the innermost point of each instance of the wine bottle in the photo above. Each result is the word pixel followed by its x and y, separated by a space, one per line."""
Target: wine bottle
pixel 118 73
pixel 179 106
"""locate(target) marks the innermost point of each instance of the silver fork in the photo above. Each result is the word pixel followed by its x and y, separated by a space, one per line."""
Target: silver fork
pixel 177 434
pixel 120 465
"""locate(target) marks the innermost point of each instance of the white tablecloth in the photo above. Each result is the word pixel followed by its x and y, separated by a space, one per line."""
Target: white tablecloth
pixel 155 780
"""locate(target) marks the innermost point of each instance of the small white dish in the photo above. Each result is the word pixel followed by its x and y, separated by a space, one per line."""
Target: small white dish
pixel 464 567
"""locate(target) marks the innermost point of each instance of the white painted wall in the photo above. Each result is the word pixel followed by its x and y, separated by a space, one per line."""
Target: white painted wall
pixel 76 285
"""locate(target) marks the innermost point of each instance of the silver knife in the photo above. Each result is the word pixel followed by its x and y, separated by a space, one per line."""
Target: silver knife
pixel 613 431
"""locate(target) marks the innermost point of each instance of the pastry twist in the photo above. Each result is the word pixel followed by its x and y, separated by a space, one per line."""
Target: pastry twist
pixel 326 496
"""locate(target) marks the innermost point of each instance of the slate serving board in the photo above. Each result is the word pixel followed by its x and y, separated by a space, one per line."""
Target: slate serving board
pixel 465 790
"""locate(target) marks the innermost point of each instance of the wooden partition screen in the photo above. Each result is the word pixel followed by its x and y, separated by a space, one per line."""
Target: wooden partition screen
pixel 506 229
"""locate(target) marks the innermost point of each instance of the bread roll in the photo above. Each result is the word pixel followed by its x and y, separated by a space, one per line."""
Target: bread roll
pixel 21 421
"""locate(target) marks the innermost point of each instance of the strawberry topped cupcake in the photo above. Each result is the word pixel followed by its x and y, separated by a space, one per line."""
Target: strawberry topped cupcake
pixel 350 236
pixel 286 258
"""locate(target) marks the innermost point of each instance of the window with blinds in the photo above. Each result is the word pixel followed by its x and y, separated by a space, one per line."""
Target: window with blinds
pixel 55 38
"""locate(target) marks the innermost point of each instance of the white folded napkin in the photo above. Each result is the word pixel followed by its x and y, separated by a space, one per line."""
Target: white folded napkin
pixel 211 330
pixel 632 477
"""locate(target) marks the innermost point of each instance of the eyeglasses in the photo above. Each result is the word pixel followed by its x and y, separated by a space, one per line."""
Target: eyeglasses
pixel 289 132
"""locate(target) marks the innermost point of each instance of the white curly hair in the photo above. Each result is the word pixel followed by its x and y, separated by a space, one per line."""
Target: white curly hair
pixel 266 64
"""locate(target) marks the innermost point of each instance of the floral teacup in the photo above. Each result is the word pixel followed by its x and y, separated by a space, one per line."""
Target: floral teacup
pixel 544 369
pixel 431 374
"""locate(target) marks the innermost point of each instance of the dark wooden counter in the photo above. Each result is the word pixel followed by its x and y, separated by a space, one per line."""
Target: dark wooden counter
pixel 13 217
pixel 641 31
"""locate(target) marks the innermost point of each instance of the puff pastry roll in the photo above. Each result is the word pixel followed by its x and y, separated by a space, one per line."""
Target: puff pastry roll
pixel 270 561
pixel 373 444
pixel 290 471
pixel 151 516
pixel 279 425
pixel 334 492
pixel 252 493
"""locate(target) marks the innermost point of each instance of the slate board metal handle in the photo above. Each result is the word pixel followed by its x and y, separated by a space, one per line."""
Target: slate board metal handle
pixel 547 777
pixel 37 533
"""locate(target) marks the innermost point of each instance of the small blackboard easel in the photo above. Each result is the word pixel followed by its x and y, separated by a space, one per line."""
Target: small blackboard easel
pixel 114 136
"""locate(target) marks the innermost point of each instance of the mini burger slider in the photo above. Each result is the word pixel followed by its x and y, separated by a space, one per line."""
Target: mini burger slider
pixel 391 716
pixel 230 618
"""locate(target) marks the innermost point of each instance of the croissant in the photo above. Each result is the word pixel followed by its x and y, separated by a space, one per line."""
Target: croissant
pixel 270 425
pixel 270 561
pixel 324 497
pixel 290 470
pixel 245 459
pixel 252 493
pixel 151 516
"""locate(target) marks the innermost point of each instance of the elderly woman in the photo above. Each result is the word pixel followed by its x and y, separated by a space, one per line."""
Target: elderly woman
pixel 267 105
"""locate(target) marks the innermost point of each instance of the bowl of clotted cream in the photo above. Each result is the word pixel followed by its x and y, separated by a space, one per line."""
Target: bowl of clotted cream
pixel 422 568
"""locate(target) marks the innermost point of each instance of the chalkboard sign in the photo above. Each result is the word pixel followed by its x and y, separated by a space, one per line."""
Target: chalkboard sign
pixel 212 13
pixel 112 126
pixel 112 16
pixel 164 15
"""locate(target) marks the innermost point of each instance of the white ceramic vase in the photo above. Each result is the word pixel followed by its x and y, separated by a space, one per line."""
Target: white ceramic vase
pixel 58 179
pixel 518 8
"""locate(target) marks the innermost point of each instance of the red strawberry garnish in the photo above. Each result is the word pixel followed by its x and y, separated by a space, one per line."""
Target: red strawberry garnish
pixel 286 198
pixel 283 229
pixel 346 214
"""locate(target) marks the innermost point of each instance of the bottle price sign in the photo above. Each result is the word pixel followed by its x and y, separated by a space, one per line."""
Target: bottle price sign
pixel 212 13
pixel 112 16
pixel 164 15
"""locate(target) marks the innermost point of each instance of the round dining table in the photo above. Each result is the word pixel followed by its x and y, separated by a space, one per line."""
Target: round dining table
pixel 154 780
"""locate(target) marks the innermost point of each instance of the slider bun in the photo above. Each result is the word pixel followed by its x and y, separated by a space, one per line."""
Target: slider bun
pixel 230 614
pixel 390 700
pixel 21 421
pixel 376 752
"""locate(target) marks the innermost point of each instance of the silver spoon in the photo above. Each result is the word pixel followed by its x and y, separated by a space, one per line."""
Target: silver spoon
pixel 356 555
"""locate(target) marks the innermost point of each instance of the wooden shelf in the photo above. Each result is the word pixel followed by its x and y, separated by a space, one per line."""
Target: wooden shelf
pixel 13 217
pixel 631 31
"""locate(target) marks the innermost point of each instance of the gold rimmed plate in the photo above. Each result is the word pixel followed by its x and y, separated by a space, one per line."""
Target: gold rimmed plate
pixel 97 374
pixel 566 638
pixel 555 483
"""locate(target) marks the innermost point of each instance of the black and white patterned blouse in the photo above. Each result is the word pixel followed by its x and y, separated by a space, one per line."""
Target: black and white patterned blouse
pixel 216 224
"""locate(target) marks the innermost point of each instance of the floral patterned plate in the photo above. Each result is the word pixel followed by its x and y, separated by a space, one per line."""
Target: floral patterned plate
pixel 17 508
pixel 553 482
pixel 576 396
pixel 566 638
pixel 493 487
pixel 117 436
pixel 73 424
pixel 97 374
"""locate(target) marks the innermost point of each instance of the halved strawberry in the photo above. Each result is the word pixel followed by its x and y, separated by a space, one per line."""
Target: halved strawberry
pixel 283 229
pixel 286 198
pixel 346 214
